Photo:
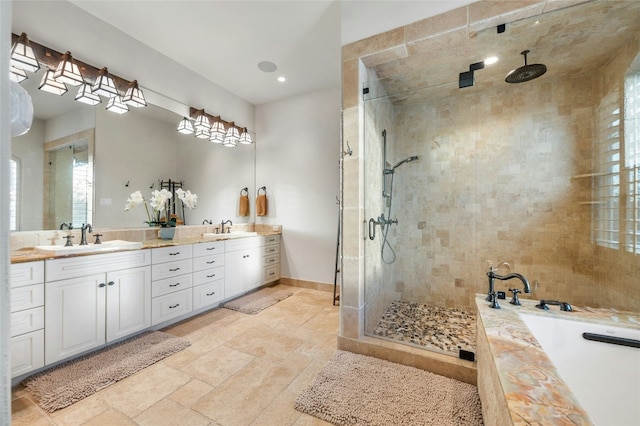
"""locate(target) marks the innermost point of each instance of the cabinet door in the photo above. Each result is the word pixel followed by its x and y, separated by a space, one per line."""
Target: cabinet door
pixel 27 352
pixel 254 268
pixel 74 316
pixel 128 302
pixel 243 271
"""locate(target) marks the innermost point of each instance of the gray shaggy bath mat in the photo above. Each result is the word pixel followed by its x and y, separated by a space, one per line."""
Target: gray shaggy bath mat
pixel 71 381
pixel 255 302
pixel 353 389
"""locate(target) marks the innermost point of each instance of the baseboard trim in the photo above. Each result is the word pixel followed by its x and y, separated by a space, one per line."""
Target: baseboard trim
pixel 306 284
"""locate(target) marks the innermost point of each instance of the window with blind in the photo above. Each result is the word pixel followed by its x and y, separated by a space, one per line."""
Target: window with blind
pixel 616 211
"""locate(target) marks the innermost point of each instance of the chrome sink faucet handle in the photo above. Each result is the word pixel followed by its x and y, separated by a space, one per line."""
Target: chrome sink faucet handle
pixel 68 243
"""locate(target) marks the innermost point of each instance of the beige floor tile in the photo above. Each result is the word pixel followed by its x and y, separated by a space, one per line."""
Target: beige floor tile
pixel 25 412
pixel 167 412
pixel 191 392
pixel 218 365
pixel 279 412
pixel 82 411
pixel 264 343
pixel 319 345
pixel 110 418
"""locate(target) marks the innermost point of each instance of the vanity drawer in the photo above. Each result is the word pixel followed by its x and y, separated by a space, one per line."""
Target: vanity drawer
pixel 27 321
pixel 169 285
pixel 208 275
pixel 169 254
pixel 271 273
pixel 271 260
pixel 243 243
pixel 206 262
pixel 171 305
pixel 205 249
pixel 170 269
pixel 27 353
pixel 272 239
pixel 208 294
pixel 28 273
pixel 27 297
pixel 82 266
pixel 272 249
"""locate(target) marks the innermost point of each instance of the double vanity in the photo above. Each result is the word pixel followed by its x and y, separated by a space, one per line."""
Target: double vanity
pixel 65 304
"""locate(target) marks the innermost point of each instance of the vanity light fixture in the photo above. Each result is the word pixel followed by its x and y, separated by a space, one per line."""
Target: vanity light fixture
pixel 245 137
pixel 86 97
pixel 49 84
pixel 185 127
pixel 203 132
pixel 68 72
pixel 232 136
pixel 217 131
pixel 134 96
pixel 17 75
pixel 104 85
pixel 116 105
pixel 202 121
pixel 22 55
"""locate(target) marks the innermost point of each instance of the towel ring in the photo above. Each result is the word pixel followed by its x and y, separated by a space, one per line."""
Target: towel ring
pixel 263 188
pixel 244 191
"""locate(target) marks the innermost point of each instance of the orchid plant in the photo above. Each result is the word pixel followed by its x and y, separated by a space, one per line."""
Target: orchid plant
pixel 161 200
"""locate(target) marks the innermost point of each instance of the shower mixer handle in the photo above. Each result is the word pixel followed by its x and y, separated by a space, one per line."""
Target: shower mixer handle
pixel 372 229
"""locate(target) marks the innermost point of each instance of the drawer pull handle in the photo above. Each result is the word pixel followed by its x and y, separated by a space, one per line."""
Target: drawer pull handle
pixel 272 273
pixel 111 283
pixel 211 248
pixel 211 262
pixel 174 254
pixel 102 285
pixel 174 306
pixel 211 276
pixel 211 294
pixel 174 269
pixel 272 250
pixel 174 285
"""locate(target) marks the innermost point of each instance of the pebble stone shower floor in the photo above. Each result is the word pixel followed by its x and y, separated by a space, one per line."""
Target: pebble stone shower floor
pixel 430 327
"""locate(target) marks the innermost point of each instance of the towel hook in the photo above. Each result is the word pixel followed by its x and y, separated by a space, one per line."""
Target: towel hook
pixel 127 184
pixel 262 188
pixel 244 191
pixel 348 152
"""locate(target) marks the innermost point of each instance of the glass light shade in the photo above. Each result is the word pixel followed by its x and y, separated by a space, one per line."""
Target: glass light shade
pixel 104 85
pixel 245 137
pixel 49 84
pixel 116 105
pixel 134 96
pixel 86 97
pixel 202 122
pixel 217 132
pixel 68 72
pixel 22 55
pixel 185 127
pixel 203 133
pixel 17 75
pixel 232 136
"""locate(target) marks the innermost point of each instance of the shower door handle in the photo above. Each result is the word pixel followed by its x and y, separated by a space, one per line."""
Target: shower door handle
pixel 372 229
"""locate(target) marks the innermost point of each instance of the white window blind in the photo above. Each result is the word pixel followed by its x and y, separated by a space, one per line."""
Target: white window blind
pixel 631 126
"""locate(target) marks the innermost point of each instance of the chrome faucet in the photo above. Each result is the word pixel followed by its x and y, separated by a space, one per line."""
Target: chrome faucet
pixel 83 239
pixel 207 222
pixel 491 296
pixel 224 222
pixel 66 225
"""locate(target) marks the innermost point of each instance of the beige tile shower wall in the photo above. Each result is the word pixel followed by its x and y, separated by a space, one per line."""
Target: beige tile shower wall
pixel 494 184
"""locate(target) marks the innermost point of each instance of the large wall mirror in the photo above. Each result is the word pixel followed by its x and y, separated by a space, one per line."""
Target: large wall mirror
pixel 80 163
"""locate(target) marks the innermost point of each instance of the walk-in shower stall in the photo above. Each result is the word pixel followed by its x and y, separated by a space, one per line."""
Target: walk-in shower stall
pixel 464 170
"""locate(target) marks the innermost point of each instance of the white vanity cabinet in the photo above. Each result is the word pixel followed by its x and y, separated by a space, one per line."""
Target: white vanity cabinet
pixel 27 317
pixel 271 258
pixel 243 265
pixel 91 300
pixel 208 274
pixel 171 272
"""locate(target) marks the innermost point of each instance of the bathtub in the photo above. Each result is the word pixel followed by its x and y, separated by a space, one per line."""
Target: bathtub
pixel 604 377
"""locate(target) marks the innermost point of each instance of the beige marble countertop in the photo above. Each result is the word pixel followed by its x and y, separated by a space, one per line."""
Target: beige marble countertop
pixel 534 391
pixel 30 254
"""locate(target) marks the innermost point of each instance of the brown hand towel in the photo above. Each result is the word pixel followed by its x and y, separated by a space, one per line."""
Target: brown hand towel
pixel 244 206
pixel 261 205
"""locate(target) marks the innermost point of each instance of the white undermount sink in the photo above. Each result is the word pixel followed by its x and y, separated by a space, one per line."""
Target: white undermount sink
pixel 236 234
pixel 90 248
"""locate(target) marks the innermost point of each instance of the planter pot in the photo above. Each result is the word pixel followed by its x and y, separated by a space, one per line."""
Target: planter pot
pixel 167 233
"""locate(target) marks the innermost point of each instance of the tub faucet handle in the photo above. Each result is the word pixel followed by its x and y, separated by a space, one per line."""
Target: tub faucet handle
pixel 514 299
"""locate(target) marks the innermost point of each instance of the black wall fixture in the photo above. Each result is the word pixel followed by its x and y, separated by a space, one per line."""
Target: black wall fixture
pixel 466 78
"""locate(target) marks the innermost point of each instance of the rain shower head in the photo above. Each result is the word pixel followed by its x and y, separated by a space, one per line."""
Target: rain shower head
pixel 406 160
pixel 526 72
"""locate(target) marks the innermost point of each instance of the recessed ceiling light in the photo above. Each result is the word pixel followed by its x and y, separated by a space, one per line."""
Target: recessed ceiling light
pixel 491 60
pixel 282 79
pixel 267 66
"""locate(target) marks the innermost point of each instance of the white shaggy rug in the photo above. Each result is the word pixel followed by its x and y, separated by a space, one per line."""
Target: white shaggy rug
pixel 255 302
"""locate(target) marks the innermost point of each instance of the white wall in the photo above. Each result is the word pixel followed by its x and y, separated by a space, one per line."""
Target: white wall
pixel 298 153
pixel 29 150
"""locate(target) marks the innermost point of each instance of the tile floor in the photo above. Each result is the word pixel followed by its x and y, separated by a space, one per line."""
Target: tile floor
pixel 239 370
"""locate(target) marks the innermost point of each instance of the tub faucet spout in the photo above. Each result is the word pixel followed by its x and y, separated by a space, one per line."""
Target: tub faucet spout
pixel 491 296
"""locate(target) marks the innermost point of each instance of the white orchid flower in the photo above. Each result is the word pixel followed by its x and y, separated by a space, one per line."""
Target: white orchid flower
pixel 134 199
pixel 188 199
